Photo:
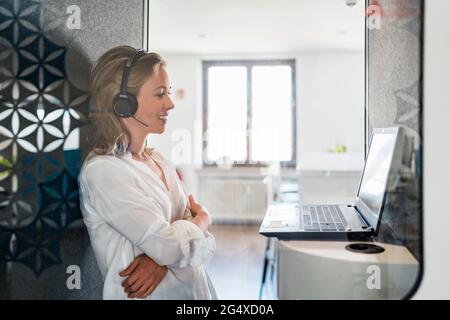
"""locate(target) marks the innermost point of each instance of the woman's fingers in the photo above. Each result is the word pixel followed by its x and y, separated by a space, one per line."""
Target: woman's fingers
pixel 138 288
pixel 195 206
pixel 130 268
pixel 140 281
pixel 142 264
pixel 145 283
pixel 141 289
pixel 140 293
pixel 139 273
pixel 192 201
pixel 192 205
pixel 148 292
pixel 145 274
pixel 160 275
pixel 131 280
pixel 151 289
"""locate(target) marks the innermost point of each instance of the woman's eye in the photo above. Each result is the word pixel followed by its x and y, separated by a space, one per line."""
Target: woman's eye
pixel 161 95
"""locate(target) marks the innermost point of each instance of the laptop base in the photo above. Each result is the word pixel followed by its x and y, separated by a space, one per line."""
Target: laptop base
pixel 338 236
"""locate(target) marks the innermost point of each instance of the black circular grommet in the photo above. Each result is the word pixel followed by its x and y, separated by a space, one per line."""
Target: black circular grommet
pixel 364 248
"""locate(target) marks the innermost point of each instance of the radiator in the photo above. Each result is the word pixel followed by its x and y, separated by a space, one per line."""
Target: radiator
pixel 236 200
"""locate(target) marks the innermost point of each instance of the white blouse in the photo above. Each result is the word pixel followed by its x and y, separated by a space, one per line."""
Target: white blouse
pixel 128 211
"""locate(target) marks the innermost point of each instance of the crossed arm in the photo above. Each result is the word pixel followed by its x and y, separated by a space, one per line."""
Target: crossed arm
pixel 143 275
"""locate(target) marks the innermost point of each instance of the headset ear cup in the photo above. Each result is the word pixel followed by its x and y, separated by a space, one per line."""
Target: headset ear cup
pixel 123 105
pixel 114 105
pixel 133 103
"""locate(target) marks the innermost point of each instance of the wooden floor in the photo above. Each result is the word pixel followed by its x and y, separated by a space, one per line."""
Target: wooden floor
pixel 236 267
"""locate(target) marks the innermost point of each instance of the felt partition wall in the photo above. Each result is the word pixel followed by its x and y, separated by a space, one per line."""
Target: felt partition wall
pixel 46 51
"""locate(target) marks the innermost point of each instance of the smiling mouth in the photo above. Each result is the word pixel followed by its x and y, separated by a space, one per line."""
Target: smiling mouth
pixel 163 118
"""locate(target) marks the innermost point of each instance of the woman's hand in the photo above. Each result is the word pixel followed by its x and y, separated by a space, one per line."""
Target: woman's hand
pixel 194 206
pixel 201 216
pixel 143 276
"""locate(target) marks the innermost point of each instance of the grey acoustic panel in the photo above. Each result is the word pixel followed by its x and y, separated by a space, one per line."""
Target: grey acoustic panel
pixel 395 66
pixel 104 24
pixel 393 98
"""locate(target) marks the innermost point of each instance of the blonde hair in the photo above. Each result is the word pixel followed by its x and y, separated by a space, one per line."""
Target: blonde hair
pixel 107 135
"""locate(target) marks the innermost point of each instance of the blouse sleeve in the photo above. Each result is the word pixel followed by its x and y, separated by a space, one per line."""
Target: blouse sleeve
pixel 115 196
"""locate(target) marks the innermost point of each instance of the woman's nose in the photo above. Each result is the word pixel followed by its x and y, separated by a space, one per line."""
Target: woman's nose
pixel 170 104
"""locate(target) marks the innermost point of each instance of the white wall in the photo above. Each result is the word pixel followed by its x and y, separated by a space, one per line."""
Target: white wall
pixel 330 95
pixel 184 72
pixel 436 217
pixel 330 108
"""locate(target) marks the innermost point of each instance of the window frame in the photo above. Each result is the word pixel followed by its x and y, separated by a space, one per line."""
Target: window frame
pixel 206 64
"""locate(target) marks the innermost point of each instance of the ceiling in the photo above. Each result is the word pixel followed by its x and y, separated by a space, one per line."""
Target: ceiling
pixel 255 26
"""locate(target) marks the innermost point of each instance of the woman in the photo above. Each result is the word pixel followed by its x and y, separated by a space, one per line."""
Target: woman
pixel 149 242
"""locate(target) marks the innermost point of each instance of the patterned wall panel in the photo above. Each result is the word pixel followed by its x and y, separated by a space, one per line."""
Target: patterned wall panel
pixel 40 111
pixel 394 94
pixel 44 102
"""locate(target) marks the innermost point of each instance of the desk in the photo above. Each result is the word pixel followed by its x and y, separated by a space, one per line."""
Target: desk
pixel 326 270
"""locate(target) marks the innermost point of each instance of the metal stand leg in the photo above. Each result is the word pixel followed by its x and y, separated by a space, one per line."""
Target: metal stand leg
pixel 265 265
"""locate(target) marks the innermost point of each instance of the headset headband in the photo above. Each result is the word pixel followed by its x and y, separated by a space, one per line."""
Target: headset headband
pixel 126 70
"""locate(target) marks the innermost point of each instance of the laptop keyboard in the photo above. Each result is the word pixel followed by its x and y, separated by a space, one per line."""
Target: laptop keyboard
pixel 323 218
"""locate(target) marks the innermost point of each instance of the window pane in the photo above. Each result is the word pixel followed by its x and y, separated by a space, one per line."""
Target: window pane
pixel 271 113
pixel 227 113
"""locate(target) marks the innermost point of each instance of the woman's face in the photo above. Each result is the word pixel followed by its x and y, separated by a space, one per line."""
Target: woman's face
pixel 154 102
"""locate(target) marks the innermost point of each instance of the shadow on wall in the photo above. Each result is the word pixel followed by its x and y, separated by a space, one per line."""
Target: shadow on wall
pixel 43 114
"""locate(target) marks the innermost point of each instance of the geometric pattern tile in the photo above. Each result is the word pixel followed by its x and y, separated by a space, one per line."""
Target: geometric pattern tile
pixel 39 110
pixel 408 106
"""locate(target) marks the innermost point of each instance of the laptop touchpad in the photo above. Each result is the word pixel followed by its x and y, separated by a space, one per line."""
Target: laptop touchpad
pixel 276 224
pixel 282 217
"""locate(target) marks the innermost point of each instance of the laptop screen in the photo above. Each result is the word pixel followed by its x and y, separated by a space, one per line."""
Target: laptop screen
pixel 376 173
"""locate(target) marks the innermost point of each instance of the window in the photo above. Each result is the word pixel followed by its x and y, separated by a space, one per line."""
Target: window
pixel 249 112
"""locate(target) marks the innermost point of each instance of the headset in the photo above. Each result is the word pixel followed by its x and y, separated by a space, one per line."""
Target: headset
pixel 125 104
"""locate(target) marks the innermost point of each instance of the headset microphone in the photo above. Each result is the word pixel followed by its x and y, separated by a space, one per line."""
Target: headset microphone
pixel 140 121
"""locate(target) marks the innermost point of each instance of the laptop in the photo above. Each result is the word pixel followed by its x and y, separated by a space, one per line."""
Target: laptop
pixel 356 221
